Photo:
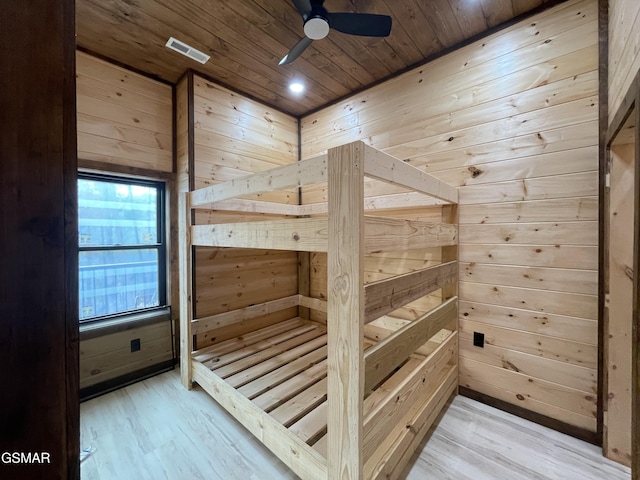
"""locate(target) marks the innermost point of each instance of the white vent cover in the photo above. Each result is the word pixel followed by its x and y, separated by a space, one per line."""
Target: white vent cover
pixel 185 49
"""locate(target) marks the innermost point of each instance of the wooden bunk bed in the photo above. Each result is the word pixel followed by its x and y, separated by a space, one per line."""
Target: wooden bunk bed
pixel 353 397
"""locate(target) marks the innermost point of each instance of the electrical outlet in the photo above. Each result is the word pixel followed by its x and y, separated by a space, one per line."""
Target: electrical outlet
pixel 478 339
pixel 135 345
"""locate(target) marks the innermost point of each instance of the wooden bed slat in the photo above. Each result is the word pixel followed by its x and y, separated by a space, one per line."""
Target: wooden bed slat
pixel 297 407
pixel 271 364
pixel 313 425
pixel 283 392
pixel 387 295
pixel 236 356
pixel 246 340
pixel 276 377
pixel 386 355
pixel 227 318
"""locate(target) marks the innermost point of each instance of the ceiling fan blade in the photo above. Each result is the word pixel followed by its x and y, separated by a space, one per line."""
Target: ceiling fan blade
pixel 303 7
pixel 296 51
pixel 364 24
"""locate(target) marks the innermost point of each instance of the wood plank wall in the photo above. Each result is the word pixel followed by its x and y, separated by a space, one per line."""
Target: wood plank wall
pixel 511 120
pixel 123 118
pixel 624 50
pixel 39 240
pixel 234 136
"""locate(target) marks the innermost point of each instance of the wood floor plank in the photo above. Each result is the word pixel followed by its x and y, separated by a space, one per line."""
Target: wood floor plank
pixel 157 430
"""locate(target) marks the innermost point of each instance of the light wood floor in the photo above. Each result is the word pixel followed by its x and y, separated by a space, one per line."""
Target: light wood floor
pixel 157 430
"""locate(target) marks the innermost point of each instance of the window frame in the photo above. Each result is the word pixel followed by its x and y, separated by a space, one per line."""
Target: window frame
pixel 160 246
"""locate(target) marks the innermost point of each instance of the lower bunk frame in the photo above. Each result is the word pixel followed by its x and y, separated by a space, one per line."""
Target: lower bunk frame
pixel 351 399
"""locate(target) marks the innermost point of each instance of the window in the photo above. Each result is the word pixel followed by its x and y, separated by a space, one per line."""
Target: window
pixel 122 246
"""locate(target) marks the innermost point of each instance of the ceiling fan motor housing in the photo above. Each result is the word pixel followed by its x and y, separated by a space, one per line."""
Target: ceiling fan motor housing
pixel 316 27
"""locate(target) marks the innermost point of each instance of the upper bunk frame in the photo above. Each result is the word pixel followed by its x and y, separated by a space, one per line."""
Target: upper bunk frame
pixel 346 234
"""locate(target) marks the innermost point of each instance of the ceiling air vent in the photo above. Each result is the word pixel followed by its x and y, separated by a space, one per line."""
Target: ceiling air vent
pixel 185 49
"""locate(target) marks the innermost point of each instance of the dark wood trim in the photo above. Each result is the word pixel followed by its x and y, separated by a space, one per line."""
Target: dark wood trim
pixel 635 336
pixel 174 130
pixel 124 170
pixel 70 174
pixel 603 257
pixel 122 381
pixel 191 147
pixel 123 65
pixel 545 6
pixel 39 239
pixel 562 427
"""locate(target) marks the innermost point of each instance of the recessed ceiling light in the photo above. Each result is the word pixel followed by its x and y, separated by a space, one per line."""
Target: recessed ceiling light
pixel 296 87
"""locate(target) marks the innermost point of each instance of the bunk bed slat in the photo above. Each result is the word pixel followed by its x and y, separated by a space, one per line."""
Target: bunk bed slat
pixel 390 459
pixel 285 372
pixel 381 359
pixel 298 406
pixel 383 234
pixel 277 361
pixel 421 383
pixel 227 318
pixel 283 392
pixel 385 296
pixel 233 344
pixel 246 354
pixel 297 234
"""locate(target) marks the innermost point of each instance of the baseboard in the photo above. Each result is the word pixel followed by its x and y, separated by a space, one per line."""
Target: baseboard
pixel 562 427
pixel 107 386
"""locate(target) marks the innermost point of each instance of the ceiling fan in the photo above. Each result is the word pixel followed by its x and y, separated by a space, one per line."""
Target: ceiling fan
pixel 318 22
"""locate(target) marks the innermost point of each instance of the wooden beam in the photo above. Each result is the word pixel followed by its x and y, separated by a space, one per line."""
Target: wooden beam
pixel 305 172
pixel 381 359
pixel 220 320
pixel 313 303
pixel 387 295
pixel 186 300
pixel 384 234
pixel 386 168
pixel 379 203
pixel 396 451
pixel 298 234
pixel 304 282
pixel 421 383
pixel 345 311
pixel 254 206
pixel 288 447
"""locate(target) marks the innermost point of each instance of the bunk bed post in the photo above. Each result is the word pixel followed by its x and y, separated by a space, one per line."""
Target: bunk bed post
pixel 186 306
pixel 345 311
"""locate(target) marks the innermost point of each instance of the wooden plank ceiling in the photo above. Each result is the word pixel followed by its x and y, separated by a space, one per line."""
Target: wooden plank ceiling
pixel 246 40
